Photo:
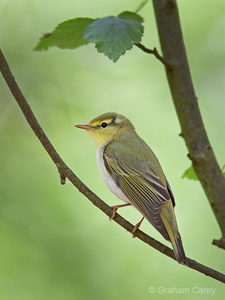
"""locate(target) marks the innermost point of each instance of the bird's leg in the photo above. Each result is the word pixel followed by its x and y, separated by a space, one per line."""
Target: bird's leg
pixel 116 207
pixel 136 227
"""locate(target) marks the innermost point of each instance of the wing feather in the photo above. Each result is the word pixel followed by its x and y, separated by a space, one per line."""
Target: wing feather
pixel 142 186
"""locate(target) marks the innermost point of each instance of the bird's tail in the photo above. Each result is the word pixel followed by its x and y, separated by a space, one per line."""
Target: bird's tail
pixel 169 220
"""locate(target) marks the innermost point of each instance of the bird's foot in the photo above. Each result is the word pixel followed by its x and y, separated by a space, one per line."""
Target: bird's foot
pixel 136 227
pixel 116 207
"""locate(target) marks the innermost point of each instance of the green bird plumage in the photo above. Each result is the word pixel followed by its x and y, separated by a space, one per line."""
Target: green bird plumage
pixel 133 173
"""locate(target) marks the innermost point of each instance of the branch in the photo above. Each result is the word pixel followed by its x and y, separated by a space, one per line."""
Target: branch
pixel 154 52
pixel 65 172
pixel 188 112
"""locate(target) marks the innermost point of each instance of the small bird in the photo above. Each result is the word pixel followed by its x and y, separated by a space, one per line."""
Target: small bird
pixel 132 172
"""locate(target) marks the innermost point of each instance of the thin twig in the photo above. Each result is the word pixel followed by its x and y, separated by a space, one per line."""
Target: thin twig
pixel 154 52
pixel 65 172
pixel 140 6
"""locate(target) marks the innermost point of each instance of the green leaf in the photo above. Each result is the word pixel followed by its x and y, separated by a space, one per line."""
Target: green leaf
pixel 222 169
pixel 68 35
pixel 131 15
pixel 113 36
pixel 190 174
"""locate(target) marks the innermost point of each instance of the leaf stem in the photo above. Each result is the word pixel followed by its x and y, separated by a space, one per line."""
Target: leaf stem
pixel 140 6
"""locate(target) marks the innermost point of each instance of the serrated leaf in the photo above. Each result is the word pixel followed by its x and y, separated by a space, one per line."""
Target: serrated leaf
pixel 190 174
pixel 131 15
pixel 68 34
pixel 113 36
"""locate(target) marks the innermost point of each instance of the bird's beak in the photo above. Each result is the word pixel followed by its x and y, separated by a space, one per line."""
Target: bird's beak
pixel 85 127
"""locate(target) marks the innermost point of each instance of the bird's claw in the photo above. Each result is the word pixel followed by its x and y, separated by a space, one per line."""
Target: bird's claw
pixel 116 207
pixel 136 227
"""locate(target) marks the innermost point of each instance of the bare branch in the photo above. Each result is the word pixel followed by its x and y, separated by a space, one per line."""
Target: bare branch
pixel 154 52
pixel 186 104
pixel 65 172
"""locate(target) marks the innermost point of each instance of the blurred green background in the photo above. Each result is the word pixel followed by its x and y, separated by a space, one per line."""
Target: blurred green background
pixel 54 243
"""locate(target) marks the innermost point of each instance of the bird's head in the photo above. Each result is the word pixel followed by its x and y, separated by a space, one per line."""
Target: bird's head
pixel 107 127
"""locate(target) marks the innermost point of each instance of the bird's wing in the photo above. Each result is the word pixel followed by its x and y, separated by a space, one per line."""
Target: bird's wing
pixel 141 185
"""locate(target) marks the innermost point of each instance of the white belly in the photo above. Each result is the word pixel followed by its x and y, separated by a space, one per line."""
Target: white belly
pixel 108 179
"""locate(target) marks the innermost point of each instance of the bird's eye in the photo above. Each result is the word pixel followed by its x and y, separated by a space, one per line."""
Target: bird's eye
pixel 104 125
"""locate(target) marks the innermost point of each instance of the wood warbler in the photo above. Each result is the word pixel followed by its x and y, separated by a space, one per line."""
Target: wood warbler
pixel 133 173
